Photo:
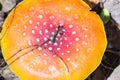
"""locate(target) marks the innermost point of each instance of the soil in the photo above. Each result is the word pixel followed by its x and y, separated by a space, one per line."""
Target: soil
pixel 111 58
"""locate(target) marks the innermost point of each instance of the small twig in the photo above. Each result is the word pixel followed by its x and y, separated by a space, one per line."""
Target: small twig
pixel 109 69
pixel 58 31
pixel 114 52
pixel 115 23
pixel 106 67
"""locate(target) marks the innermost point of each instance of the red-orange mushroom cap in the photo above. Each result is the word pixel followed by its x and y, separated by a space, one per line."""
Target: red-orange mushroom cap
pixel 53 40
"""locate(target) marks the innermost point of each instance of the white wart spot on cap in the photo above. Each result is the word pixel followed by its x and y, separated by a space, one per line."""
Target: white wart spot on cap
pixel 40 32
pixel 56 29
pixel 63 53
pixel 68 51
pixel 50 42
pixel 67 46
pixel 30 21
pixel 70 26
pixel 68 59
pixel 51 25
pixel 69 19
pixel 51 38
pixel 45 44
pixel 40 16
pixel 61 43
pixel 74 32
pixel 50 48
pixel 47 11
pixel 44 23
pixel 36 27
pixel 54 55
pixel 31 52
pixel 31 8
pixel 55 44
pixel 34 63
pixel 65 38
pixel 84 28
pixel 61 23
pixel 53 33
pixel 24 34
pixel 63 30
pixel 77 49
pixel 77 39
pixel 58 35
pixel 61 39
pixel 70 43
pixel 67 8
pixel 56 38
pixel 86 36
pixel 84 43
pixel 45 62
pixel 58 49
pixel 39 48
pixel 38 39
pixel 51 17
pixel 29 42
pixel 25 27
pixel 76 16
pixel 38 23
pixel 45 54
pixel 33 31
pixel 46 30
pixel 45 38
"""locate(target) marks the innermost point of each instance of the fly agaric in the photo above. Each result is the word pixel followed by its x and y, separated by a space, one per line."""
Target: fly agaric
pixel 53 40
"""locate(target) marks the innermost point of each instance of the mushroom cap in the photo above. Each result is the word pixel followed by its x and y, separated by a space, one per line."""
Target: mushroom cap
pixel 53 40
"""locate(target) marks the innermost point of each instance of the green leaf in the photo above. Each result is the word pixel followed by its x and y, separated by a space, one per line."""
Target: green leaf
pixel 105 15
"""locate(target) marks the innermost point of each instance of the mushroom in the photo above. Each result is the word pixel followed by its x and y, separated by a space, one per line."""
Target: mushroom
pixel 53 40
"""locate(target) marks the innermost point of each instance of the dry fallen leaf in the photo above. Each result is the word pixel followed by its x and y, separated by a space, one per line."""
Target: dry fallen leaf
pixel 114 8
pixel 7 5
pixel 116 74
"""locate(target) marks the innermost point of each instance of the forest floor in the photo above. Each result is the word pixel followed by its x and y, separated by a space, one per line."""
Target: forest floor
pixel 111 58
